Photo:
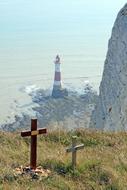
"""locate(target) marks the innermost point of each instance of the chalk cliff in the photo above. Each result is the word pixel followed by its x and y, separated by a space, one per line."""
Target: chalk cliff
pixel 110 112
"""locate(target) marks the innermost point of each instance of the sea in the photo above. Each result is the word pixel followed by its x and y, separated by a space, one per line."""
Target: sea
pixel 33 32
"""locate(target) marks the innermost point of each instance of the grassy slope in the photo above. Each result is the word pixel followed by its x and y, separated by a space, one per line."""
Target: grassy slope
pixel 101 165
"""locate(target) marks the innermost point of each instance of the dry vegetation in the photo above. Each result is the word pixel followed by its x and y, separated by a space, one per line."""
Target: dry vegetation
pixel 102 165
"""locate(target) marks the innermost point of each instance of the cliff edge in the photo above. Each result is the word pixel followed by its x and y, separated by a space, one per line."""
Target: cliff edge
pixel 110 112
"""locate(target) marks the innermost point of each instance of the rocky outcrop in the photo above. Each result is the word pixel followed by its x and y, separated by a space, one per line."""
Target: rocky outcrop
pixel 110 112
pixel 59 93
pixel 72 111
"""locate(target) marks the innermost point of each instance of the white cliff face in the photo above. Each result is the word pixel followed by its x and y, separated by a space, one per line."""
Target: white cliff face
pixel 111 110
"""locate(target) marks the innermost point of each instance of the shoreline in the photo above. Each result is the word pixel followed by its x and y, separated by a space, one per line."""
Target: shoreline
pixel 48 111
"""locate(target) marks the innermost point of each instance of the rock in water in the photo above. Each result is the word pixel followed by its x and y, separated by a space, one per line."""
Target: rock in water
pixel 110 112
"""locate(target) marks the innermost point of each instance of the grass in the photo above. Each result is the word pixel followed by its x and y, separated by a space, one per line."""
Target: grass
pixel 101 165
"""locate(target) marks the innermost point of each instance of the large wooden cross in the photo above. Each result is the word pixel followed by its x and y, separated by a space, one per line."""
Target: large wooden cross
pixel 74 150
pixel 33 133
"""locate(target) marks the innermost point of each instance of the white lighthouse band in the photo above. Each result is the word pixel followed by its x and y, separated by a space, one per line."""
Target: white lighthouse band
pixel 57 67
pixel 57 83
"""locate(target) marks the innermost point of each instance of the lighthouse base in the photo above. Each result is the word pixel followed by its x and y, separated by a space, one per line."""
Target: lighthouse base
pixel 59 93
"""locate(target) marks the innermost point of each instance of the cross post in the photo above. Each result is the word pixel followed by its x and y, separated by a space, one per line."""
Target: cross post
pixel 33 133
pixel 74 150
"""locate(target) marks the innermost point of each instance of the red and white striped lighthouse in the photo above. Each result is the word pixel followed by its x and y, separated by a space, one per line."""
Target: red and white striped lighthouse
pixel 57 78
pixel 58 91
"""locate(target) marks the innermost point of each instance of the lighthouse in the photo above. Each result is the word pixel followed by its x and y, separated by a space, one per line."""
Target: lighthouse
pixel 58 91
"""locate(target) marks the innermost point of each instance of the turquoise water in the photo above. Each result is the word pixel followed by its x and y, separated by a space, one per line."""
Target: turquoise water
pixel 33 32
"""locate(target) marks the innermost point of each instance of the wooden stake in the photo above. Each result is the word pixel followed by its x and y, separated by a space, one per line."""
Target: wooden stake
pixel 74 152
pixel 33 154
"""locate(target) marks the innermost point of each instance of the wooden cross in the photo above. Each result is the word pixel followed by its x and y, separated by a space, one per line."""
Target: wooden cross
pixel 33 133
pixel 74 150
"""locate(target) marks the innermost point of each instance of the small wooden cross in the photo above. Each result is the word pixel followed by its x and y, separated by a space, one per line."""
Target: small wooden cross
pixel 74 150
pixel 33 133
